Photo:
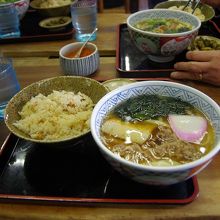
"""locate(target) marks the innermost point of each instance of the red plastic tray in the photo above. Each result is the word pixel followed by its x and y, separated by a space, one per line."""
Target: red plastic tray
pixel 31 31
pixel 78 173
pixel 131 63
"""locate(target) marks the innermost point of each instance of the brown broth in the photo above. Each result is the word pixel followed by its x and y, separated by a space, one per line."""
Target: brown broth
pixel 147 153
pixel 85 52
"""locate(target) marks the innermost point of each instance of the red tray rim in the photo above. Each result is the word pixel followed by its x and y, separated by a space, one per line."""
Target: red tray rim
pixel 42 37
pixel 70 200
pixel 50 199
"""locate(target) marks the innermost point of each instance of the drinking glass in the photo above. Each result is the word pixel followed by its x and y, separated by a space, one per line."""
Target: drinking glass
pixel 9 85
pixel 84 19
pixel 9 21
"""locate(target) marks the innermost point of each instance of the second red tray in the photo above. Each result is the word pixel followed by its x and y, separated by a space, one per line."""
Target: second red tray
pixel 76 174
pixel 31 31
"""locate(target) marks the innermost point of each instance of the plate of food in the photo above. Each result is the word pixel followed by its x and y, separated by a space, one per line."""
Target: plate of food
pixel 204 12
pixel 202 42
pixel 52 8
pixel 115 83
pixel 55 23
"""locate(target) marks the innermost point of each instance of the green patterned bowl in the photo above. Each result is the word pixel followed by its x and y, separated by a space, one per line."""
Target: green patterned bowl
pixel 206 10
pixel 89 87
pixel 47 10
pixel 161 47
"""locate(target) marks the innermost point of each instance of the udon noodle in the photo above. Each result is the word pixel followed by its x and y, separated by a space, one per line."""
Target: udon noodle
pixel 138 130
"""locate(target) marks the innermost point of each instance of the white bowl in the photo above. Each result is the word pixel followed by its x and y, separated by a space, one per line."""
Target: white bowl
pixel 82 66
pixel 162 47
pixel 152 174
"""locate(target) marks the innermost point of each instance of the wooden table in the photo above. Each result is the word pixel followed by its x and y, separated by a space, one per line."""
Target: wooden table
pixel 39 60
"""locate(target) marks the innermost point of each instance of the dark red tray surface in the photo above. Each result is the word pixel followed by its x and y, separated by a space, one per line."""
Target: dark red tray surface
pixel 132 63
pixel 31 31
pixel 76 174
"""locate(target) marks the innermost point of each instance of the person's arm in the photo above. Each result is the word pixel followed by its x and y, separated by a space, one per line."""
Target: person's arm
pixel 214 3
pixel 202 65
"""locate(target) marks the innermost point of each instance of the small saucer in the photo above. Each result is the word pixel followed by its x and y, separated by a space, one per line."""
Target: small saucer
pixel 203 42
pixel 55 23
pixel 115 83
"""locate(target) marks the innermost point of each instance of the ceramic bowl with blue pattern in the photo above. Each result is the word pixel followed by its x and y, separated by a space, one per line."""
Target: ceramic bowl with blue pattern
pixel 156 175
pixel 21 7
pixel 85 65
pixel 162 47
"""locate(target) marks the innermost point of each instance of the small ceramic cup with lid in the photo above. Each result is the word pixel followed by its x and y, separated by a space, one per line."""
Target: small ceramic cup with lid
pixel 84 65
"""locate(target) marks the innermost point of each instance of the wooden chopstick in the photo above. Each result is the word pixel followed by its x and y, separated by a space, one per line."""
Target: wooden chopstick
pixel 193 7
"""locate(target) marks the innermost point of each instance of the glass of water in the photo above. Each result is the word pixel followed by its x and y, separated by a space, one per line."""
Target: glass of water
pixel 9 21
pixel 84 19
pixel 9 85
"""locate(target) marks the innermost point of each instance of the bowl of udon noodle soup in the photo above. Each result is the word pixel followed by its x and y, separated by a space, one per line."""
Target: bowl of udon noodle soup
pixel 161 34
pixel 52 8
pixel 157 132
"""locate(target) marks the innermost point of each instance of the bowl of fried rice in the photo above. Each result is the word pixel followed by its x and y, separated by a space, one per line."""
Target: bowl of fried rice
pixel 52 8
pixel 203 11
pixel 54 110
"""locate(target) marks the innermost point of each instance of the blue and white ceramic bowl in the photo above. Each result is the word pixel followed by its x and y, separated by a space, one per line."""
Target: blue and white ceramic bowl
pixel 82 66
pixel 162 47
pixel 150 174
pixel 22 7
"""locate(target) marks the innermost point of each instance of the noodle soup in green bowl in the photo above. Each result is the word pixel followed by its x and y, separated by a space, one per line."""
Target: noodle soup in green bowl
pixel 157 132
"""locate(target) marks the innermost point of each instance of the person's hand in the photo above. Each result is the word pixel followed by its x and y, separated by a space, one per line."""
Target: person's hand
pixel 203 66
pixel 214 3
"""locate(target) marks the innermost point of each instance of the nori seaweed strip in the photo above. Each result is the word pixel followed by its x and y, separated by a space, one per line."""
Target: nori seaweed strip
pixel 146 107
